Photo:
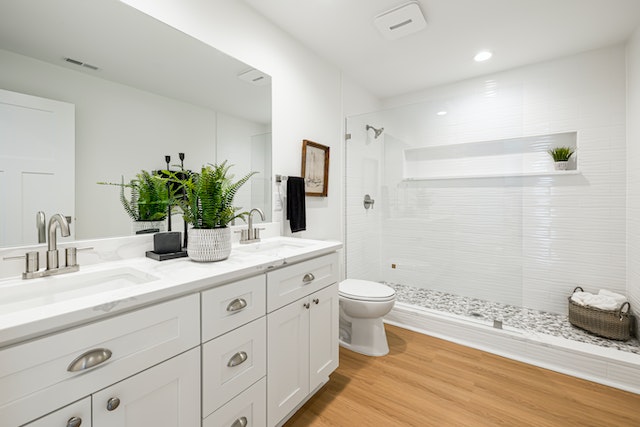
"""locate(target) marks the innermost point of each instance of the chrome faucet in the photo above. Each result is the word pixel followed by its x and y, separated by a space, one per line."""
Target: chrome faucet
pixel 56 221
pixel 252 234
pixel 32 265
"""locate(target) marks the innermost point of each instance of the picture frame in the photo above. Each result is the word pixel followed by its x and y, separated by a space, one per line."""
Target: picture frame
pixel 315 168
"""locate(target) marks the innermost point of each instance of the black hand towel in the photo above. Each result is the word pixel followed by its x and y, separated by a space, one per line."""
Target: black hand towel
pixel 296 211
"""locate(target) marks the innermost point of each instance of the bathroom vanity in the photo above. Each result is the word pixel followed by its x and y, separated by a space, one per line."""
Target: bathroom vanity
pixel 242 342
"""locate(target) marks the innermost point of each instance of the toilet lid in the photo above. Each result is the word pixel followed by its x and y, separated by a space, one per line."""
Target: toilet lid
pixel 365 290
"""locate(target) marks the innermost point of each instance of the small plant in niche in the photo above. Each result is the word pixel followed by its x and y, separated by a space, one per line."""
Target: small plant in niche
pixel 149 197
pixel 561 154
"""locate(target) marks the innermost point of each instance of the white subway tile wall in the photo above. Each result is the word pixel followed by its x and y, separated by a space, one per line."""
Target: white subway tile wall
pixel 521 240
pixel 633 171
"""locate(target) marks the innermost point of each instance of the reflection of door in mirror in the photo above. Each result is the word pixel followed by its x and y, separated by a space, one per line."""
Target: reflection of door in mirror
pixel 247 146
pixel 37 163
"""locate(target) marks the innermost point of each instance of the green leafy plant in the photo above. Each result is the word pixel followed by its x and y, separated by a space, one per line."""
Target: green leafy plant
pixel 149 197
pixel 208 195
pixel 561 154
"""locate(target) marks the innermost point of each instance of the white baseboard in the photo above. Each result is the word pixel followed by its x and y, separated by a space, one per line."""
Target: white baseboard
pixel 602 365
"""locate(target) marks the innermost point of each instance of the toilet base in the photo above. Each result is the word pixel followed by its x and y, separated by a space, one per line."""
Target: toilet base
pixel 367 336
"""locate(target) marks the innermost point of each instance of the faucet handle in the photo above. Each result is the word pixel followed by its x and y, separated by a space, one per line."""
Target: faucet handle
pixel 244 235
pixel 32 262
pixel 256 233
pixel 71 256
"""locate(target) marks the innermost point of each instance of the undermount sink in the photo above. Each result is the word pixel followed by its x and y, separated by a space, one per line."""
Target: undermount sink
pixel 26 294
pixel 279 246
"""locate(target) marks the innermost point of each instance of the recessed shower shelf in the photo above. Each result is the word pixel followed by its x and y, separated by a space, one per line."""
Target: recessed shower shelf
pixel 514 157
pixel 494 175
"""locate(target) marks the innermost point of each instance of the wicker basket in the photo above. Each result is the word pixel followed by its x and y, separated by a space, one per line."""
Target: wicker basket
pixel 614 324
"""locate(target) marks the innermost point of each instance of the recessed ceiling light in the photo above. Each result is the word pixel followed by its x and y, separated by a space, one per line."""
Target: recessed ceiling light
pixel 483 56
pixel 441 113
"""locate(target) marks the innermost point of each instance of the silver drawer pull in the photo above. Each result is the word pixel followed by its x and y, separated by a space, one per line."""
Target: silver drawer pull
pixel 308 278
pixel 240 422
pixel 237 359
pixel 74 422
pixel 237 304
pixel 113 403
pixel 89 359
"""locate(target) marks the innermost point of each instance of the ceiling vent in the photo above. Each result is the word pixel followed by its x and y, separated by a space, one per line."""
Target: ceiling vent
pixel 255 77
pixel 401 21
pixel 81 64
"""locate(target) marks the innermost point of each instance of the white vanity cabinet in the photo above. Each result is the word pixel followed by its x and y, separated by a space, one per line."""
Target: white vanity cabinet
pixel 302 331
pixel 234 354
pixel 43 375
pixel 244 353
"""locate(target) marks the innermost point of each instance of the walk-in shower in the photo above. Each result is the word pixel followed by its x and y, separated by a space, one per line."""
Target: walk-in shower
pixel 474 224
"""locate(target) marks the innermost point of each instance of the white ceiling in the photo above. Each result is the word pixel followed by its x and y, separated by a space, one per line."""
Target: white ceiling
pixel 518 32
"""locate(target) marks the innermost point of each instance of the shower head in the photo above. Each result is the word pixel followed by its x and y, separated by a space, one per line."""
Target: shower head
pixel 377 132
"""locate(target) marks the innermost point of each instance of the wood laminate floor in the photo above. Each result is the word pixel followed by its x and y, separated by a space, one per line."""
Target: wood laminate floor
pixel 425 381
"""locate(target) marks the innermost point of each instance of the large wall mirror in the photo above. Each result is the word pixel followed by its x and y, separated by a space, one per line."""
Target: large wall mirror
pixel 140 90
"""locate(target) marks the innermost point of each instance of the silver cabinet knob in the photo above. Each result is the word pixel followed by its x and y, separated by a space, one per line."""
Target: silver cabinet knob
pixel 316 301
pixel 240 422
pixel 308 278
pixel 306 305
pixel 113 403
pixel 74 422
pixel 237 359
pixel 237 304
pixel 89 359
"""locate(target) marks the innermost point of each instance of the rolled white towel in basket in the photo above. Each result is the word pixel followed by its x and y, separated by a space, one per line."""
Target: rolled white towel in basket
pixel 619 299
pixel 579 297
pixel 602 302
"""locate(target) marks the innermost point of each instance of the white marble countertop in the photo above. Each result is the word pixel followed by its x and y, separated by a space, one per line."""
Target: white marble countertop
pixel 31 308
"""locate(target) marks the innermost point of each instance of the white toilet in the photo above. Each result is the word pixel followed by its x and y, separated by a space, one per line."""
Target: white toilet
pixel 362 305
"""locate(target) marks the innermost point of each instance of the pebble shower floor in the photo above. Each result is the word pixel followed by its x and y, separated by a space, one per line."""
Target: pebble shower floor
pixel 516 317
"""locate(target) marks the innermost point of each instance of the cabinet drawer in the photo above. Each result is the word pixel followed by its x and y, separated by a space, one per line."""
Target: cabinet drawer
pixel 34 376
pixel 229 306
pixel 247 409
pixel 70 415
pixel 299 280
pixel 233 362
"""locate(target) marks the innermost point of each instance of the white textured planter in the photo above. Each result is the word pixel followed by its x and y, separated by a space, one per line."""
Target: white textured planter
pixel 209 244
pixel 561 165
pixel 137 226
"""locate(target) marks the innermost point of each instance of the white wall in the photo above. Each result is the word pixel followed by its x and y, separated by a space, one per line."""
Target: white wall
pixel 633 171
pixel 306 90
pixel 518 240
pixel 119 130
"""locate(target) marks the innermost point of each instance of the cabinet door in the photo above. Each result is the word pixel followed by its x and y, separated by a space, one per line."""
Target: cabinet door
pixel 166 395
pixel 77 414
pixel 288 359
pixel 323 335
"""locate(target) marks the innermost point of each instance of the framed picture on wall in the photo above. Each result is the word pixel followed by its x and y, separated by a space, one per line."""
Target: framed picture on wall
pixel 315 168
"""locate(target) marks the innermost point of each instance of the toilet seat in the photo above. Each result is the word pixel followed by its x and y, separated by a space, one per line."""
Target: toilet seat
pixel 365 290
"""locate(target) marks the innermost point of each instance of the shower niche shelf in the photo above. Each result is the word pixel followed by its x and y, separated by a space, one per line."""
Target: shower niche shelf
pixel 515 157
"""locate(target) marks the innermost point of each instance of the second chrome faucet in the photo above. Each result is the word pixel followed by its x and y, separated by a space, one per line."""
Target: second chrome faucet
pixel 251 234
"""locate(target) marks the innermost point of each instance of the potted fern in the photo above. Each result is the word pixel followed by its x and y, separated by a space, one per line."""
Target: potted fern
pixel 561 156
pixel 207 206
pixel 148 202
